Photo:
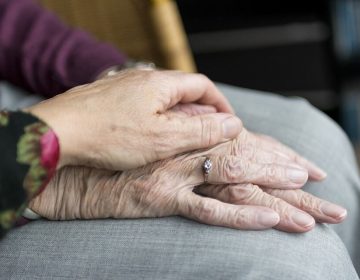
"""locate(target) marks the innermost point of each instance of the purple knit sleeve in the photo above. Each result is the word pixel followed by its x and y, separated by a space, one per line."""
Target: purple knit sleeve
pixel 41 54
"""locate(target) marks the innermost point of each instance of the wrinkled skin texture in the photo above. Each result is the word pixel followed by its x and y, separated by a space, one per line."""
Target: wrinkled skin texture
pixel 249 187
pixel 121 122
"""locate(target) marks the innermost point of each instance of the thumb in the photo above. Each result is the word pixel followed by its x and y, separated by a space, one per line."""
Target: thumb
pixel 203 131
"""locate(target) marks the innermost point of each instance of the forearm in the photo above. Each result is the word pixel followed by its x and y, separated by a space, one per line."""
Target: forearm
pixel 41 54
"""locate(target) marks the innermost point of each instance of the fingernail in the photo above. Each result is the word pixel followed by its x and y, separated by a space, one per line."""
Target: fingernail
pixel 268 218
pixel 317 172
pixel 231 127
pixel 298 176
pixel 333 210
pixel 302 219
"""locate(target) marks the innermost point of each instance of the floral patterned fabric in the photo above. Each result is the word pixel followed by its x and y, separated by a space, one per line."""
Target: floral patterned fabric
pixel 29 153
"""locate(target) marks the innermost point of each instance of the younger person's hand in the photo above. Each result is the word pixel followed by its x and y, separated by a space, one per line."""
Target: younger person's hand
pixel 121 122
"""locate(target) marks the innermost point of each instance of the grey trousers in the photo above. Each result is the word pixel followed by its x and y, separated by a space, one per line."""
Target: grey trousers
pixel 177 248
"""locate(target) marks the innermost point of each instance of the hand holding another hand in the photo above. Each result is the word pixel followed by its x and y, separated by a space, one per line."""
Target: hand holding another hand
pixel 121 122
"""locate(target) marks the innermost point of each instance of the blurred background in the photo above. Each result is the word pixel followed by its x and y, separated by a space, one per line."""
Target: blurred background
pixel 304 48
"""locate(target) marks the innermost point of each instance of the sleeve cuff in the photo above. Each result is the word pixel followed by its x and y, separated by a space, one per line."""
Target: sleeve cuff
pixel 30 154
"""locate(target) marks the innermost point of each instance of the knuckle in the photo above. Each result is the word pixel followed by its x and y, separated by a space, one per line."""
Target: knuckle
pixel 306 202
pixel 249 151
pixel 228 167
pixel 282 208
pixel 275 203
pixel 160 139
pixel 205 81
pixel 235 147
pixel 244 218
pixel 203 77
pixel 270 201
pixel 210 131
pixel 272 192
pixel 237 193
pixel 243 193
pixel 255 192
pixel 234 169
pixel 204 211
pixel 273 174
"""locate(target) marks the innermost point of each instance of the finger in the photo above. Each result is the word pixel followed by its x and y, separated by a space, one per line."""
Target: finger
pixel 196 88
pixel 213 212
pixel 193 109
pixel 201 131
pixel 234 169
pixel 291 218
pixel 259 155
pixel 323 211
pixel 315 173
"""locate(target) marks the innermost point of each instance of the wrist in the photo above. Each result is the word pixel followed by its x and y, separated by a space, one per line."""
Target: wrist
pixel 49 117
pixel 97 200
pixel 64 196
pixel 129 64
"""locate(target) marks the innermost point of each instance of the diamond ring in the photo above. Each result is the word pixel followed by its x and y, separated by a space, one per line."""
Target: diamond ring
pixel 207 165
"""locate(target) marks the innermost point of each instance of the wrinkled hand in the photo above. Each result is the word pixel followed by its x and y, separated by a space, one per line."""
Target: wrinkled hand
pixel 157 190
pixel 298 210
pixel 121 122
pixel 282 170
pixel 254 151
pixel 256 154
pixel 166 187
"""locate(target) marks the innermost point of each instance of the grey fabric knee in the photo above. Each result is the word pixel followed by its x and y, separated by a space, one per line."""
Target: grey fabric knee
pixel 314 135
pixel 169 248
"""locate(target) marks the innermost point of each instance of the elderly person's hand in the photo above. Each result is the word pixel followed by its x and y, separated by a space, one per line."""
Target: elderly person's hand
pixel 121 122
pixel 167 188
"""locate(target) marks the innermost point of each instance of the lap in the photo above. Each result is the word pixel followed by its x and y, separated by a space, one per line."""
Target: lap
pixel 169 248
pixel 176 248
pixel 311 133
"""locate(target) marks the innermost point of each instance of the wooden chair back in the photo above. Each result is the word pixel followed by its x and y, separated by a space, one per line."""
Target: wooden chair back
pixel 143 29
